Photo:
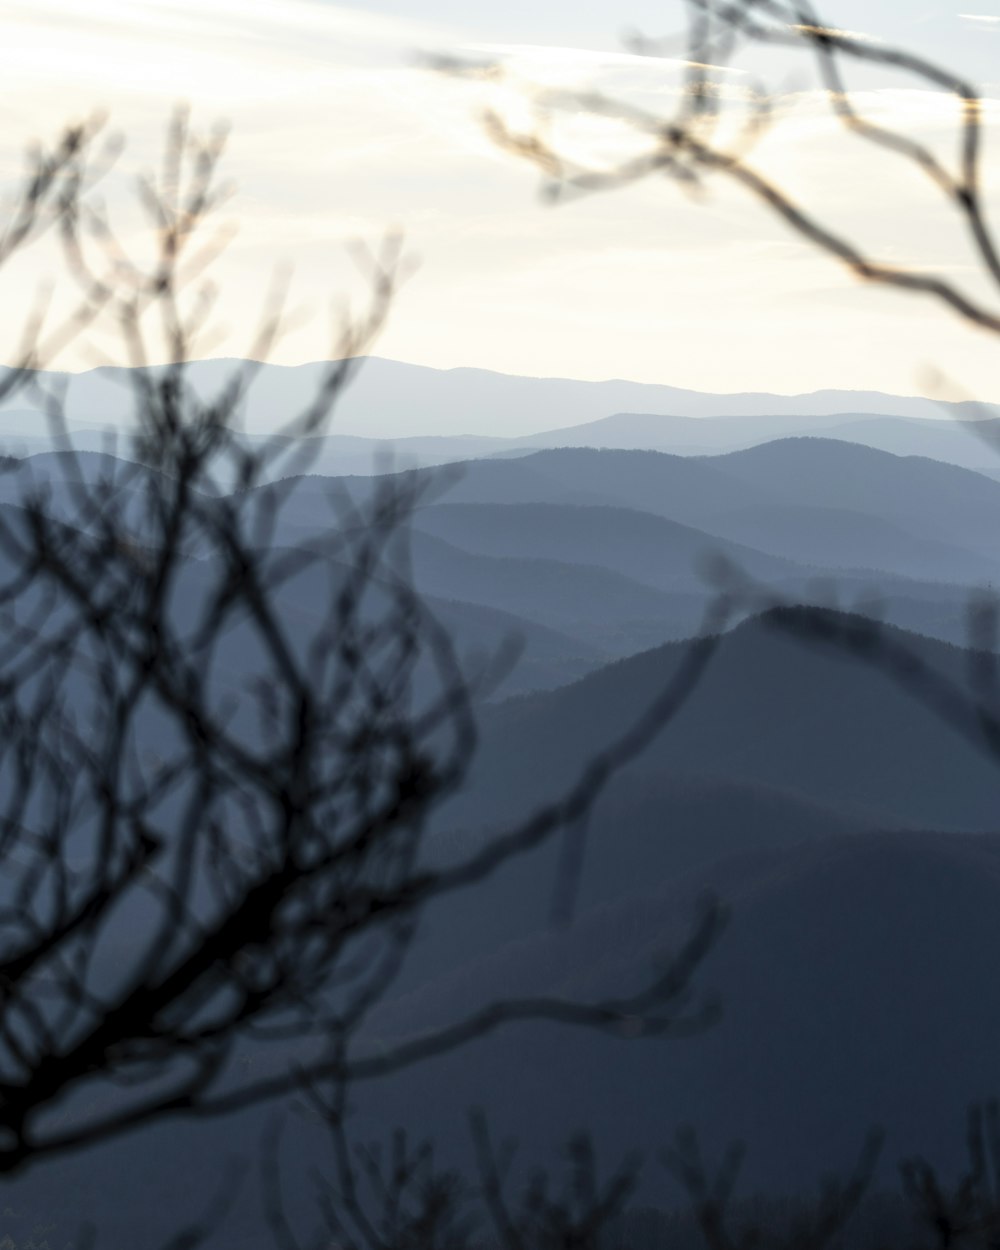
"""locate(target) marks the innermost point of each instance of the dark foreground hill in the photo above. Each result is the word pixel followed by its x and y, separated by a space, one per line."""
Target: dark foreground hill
pixel 856 979
pixel 857 983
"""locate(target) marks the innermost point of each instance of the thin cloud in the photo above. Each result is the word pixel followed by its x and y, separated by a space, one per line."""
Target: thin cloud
pixel 554 54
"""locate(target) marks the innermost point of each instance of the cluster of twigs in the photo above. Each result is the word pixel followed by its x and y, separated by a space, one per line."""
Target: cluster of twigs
pixel 698 138
pixel 398 1198
pixel 221 742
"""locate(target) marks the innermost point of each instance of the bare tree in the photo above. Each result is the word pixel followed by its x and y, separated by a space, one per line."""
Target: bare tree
pixel 215 785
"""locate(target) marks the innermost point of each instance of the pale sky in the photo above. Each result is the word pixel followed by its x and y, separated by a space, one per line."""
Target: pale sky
pixel 338 134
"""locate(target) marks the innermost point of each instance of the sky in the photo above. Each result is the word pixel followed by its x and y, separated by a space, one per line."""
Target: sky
pixel 340 133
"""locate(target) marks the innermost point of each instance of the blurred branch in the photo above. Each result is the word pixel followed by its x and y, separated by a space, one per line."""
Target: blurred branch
pixel 690 146
pixel 213 796
pixel 711 1195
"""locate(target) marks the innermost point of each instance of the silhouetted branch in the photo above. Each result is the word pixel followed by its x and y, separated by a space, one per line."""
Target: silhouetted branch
pixel 398 1199
pixel 690 144
pixel 711 1196
pixel 220 742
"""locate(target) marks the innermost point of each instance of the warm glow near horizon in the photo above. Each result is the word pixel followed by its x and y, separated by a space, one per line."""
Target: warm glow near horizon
pixel 338 133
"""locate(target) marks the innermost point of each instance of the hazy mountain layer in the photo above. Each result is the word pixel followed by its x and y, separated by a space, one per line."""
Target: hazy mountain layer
pixel 392 398
pixel 774 707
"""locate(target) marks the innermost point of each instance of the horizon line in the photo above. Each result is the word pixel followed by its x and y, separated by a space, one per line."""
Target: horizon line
pixel 530 377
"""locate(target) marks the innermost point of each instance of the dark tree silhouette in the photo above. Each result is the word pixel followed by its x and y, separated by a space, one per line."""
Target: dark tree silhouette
pixel 220 745
pixel 398 1199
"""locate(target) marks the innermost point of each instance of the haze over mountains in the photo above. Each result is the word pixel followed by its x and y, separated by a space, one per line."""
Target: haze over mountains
pixel 418 415
pixel 814 520
pixel 816 790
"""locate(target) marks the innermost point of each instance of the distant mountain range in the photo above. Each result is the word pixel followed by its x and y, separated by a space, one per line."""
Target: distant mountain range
pixel 591 554
pixel 411 414
pixel 815 520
